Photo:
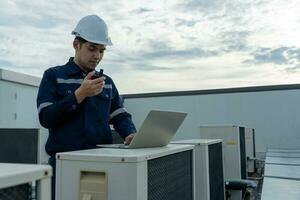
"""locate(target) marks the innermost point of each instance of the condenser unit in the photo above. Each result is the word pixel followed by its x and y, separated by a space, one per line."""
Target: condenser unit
pixel 209 175
pixel 16 181
pixel 127 174
pixel 234 149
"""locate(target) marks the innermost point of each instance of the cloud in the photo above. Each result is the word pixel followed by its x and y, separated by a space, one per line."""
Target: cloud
pixel 43 22
pixel 184 22
pixel 202 5
pixel 160 55
pixel 177 54
pixel 234 40
pixel 222 25
pixel 5 63
pixel 143 62
pixel 141 11
pixel 211 39
pixel 266 55
pixel 294 53
pixel 287 57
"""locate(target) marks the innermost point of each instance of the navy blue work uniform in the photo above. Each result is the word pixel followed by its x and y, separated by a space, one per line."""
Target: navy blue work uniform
pixel 74 126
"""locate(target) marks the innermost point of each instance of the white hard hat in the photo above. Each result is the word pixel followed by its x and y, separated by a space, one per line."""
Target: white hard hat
pixel 93 29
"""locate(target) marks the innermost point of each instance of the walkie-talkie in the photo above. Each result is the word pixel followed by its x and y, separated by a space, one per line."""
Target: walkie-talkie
pixel 98 74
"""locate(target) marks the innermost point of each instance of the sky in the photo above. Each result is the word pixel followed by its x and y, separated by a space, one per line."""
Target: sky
pixel 162 45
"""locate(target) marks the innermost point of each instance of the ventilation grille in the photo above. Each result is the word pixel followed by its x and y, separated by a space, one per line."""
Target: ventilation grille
pixel 20 192
pixel 254 154
pixel 243 153
pixel 216 180
pixel 171 177
pixel 19 145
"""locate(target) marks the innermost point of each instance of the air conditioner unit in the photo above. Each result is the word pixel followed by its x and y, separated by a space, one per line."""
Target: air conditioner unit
pixel 209 175
pixel 126 174
pixel 234 151
pixel 250 149
pixel 16 180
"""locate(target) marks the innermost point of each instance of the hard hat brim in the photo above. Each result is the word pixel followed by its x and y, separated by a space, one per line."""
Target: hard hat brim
pixel 107 42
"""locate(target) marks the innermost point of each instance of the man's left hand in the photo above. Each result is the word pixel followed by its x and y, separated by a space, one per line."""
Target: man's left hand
pixel 129 138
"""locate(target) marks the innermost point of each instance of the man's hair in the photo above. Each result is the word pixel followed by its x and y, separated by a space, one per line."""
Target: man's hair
pixel 80 39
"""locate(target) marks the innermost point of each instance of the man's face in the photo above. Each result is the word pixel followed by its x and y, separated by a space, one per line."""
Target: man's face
pixel 88 55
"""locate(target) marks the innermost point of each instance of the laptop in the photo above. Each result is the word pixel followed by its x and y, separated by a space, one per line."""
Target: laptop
pixel 157 130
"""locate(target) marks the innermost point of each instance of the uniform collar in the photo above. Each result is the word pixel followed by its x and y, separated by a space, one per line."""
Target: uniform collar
pixel 73 67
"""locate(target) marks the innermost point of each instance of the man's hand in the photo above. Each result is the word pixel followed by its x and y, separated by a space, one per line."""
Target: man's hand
pixel 129 138
pixel 89 87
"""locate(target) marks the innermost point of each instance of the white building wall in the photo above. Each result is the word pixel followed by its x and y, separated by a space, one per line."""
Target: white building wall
pixel 273 114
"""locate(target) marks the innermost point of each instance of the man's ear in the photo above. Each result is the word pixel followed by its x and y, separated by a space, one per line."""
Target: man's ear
pixel 76 44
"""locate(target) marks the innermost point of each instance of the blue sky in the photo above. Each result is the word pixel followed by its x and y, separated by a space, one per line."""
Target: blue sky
pixel 165 45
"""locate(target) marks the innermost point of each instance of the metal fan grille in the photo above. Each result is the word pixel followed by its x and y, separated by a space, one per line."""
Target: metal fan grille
pixel 171 177
pixel 216 180
pixel 19 192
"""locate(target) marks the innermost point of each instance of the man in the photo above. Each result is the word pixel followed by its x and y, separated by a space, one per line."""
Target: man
pixel 76 105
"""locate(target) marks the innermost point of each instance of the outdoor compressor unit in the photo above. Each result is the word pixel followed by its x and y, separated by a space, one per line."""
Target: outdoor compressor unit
pixel 234 149
pixel 209 175
pixel 127 174
pixel 16 179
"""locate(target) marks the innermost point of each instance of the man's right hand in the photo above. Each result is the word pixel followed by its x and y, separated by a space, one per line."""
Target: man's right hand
pixel 89 87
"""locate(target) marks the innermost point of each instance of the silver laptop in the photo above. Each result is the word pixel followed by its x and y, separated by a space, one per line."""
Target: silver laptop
pixel 157 130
